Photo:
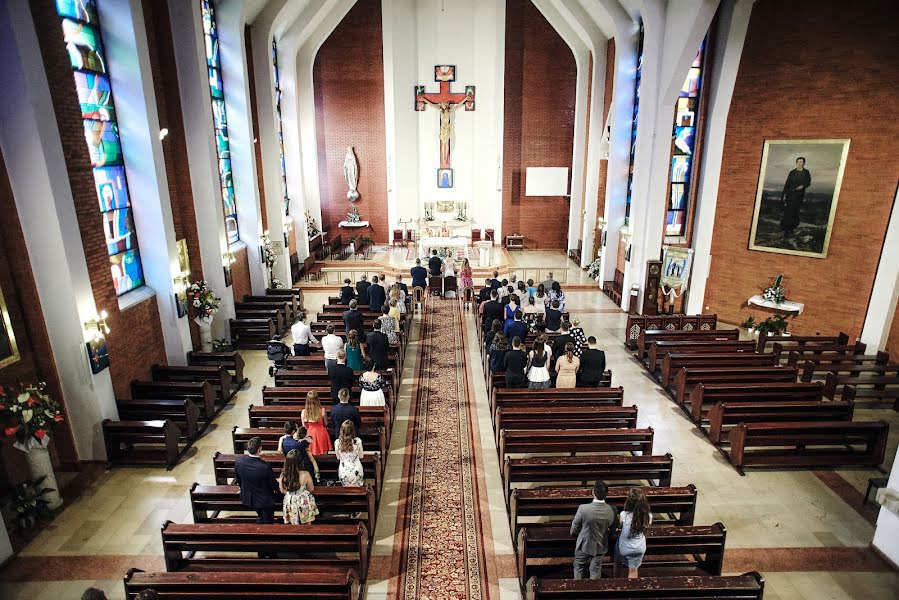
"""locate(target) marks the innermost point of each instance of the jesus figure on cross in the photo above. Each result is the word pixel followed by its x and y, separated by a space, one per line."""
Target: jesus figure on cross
pixel 446 103
pixel 446 124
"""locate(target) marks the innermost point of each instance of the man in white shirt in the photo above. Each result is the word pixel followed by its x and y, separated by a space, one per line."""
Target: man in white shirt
pixel 331 344
pixel 302 336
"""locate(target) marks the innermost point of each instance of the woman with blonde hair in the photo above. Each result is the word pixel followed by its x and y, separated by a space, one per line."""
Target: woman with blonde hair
pixel 567 367
pixel 296 484
pixel 398 296
pixel 631 547
pixel 349 452
pixel 467 282
pixel 313 418
pixel 577 333
pixel 394 309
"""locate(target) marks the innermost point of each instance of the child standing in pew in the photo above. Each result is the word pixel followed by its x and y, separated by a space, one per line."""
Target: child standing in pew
pixel 296 484
pixel 296 438
pixel 631 547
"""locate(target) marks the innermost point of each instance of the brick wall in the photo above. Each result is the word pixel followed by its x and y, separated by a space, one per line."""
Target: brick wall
pixel 174 146
pixel 830 73
pixel 136 339
pixel 538 131
pixel 604 164
pixel 348 77
pixel 240 275
pixel 36 363
pixel 257 148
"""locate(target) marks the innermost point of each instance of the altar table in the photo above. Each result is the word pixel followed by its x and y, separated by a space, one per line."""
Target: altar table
pixel 426 244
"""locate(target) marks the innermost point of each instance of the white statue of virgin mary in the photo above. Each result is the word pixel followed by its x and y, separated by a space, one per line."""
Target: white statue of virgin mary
pixel 351 174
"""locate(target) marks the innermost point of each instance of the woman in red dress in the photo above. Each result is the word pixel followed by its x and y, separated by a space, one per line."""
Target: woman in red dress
pixel 314 421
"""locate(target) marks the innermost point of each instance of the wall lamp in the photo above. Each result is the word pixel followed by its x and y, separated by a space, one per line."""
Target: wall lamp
pixel 98 323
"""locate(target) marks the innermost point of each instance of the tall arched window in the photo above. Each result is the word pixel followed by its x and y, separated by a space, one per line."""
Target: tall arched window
pixel 220 120
pixel 280 128
pixel 87 56
pixel 634 118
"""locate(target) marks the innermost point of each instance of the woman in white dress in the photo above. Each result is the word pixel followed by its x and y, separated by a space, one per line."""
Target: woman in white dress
pixel 372 385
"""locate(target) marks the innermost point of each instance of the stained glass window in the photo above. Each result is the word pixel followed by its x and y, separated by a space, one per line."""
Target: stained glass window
pixel 84 43
pixel 220 119
pixel 683 149
pixel 634 118
pixel 280 128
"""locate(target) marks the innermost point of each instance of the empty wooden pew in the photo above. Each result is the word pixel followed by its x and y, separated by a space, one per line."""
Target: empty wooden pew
pixel 686 378
pixel 579 469
pixel 674 362
pixel 647 337
pixel 724 415
pixel 232 361
pixel 579 416
pixel 253 334
pixel 808 444
pixel 798 341
pixel 141 442
pixel 638 323
pixel 229 547
pixel 297 293
pixel 877 394
pixel 817 367
pixel 574 441
pixel 792 353
pixel 292 310
pixel 200 392
pixel 182 411
pixel 658 349
pixel 218 377
pixel 705 395
pixel 249 312
pixel 240 585
pixel 547 551
pixel 750 586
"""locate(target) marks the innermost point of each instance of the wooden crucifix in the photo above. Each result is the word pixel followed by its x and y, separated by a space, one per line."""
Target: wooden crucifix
pixel 446 102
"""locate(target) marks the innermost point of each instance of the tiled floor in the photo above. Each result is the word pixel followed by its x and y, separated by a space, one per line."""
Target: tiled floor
pixel 823 541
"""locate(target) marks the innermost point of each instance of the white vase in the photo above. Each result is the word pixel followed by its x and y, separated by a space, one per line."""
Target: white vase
pixel 205 325
pixel 39 462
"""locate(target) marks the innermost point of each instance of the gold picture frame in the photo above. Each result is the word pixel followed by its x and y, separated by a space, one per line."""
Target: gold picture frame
pixel 9 349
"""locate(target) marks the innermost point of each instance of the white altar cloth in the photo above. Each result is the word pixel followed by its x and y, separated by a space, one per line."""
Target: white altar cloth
pixel 426 244
pixel 785 306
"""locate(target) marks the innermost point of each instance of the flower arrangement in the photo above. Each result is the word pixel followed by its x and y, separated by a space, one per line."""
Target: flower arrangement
pixel 776 293
pixel 268 253
pixel 203 299
pixel 28 413
pixel 312 228
pixel 353 216
pixel 27 504
pixel 594 268
pixel 277 284
pixel 222 345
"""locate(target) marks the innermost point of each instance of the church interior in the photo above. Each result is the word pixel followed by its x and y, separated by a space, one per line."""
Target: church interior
pixel 554 257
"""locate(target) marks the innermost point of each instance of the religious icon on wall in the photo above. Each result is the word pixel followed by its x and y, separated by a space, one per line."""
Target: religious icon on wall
pixel 444 178
pixel 97 354
pixel 9 350
pixel 796 200
pixel 445 73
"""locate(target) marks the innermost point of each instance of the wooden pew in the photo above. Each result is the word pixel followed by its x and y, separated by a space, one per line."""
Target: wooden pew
pixel 670 505
pixel 291 310
pixel 578 469
pixel 228 546
pixel 141 442
pixel 637 323
pixel 252 334
pixel 658 349
pixel 547 551
pixel 312 585
pixel 705 395
pixel 672 363
pixel 798 341
pixel 301 383
pixel 218 377
pixel 223 467
pixel 182 411
pixel 497 380
pixel 750 586
pixel 729 414
pixel 373 439
pixel 605 396
pixel 297 293
pixel 808 444
pixel 335 503
pixel 232 361
pixel 783 351
pixel 252 311
pixel 200 392
pixel 574 441
pixel 817 367
pixel 686 378
pixel 647 337
pixel 877 394
pixel 276 415
pixel 314 373
pixel 582 416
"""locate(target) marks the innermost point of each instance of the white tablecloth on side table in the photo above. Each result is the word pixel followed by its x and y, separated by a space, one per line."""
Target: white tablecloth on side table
pixel 484 249
pixel 426 244
pixel 785 306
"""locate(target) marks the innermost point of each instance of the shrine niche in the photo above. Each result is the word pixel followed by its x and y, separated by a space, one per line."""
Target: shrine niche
pixel 446 103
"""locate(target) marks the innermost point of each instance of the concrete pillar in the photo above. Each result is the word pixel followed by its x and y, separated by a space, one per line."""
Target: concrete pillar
pixel 884 295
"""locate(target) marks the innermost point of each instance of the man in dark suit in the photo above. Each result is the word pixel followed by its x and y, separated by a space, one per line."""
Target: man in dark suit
pixel 484 294
pixel 435 265
pixel 514 363
pixel 377 344
pixel 561 340
pixel 403 286
pixel 593 365
pixel 495 282
pixel 341 376
pixel 257 482
pixel 516 326
pixel 345 412
pixel 492 310
pixel 376 295
pixel 352 319
pixel 419 275
pixel 591 525
pixel 553 318
pixel 347 292
pixel 362 290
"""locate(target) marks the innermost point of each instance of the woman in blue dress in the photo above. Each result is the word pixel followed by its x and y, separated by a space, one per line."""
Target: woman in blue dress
pixel 509 310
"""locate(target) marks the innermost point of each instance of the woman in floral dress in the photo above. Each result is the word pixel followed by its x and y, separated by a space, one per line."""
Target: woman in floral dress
pixel 349 453
pixel 467 281
pixel 388 325
pixel 296 484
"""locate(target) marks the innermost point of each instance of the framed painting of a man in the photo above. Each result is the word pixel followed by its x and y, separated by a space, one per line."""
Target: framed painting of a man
pixel 796 198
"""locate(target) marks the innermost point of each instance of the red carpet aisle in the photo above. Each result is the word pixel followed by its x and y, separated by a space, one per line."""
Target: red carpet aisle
pixel 442 556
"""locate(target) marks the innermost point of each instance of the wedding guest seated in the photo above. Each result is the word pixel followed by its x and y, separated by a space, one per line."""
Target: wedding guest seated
pixel 347 292
pixel 377 295
pixel 435 265
pixel 348 450
pixel 593 364
pixel 553 319
pixel 362 290
pixel 515 362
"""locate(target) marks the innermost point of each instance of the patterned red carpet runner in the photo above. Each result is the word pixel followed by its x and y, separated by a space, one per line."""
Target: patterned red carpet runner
pixel 442 556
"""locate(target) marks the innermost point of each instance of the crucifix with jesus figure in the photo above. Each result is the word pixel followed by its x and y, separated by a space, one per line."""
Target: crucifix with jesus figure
pixel 446 102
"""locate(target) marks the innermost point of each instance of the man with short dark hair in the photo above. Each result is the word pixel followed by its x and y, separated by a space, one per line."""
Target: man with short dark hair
pixel 331 345
pixel 257 482
pixel 493 310
pixel 362 290
pixel 516 327
pixel 495 282
pixel 591 526
pixel 562 339
pixel 352 319
pixel 344 411
pixel 303 339
pixel 340 376
pixel 377 345
pixel 376 294
pixel 484 294
pixel 435 265
pixel 403 286
pixel 593 365
pixel 419 275
pixel 553 318
pixel 347 292
pixel 514 362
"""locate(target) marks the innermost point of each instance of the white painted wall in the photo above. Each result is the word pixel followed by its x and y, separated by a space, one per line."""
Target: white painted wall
pixel 886 533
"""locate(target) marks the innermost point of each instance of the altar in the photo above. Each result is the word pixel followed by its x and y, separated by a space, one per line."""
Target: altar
pixel 442 245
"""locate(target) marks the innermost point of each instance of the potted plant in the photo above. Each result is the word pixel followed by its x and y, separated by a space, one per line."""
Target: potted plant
pixel 312 228
pixel 773 325
pixel 28 414
pixel 594 269
pixel 29 502
pixel 749 324
pixel 205 304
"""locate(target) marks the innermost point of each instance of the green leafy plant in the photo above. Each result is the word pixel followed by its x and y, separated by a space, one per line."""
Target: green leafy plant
pixel 222 345
pixel 27 504
pixel 773 325
pixel 368 241
pixel 749 323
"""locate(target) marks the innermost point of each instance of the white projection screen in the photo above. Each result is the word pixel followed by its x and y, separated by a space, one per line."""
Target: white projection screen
pixel 546 181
